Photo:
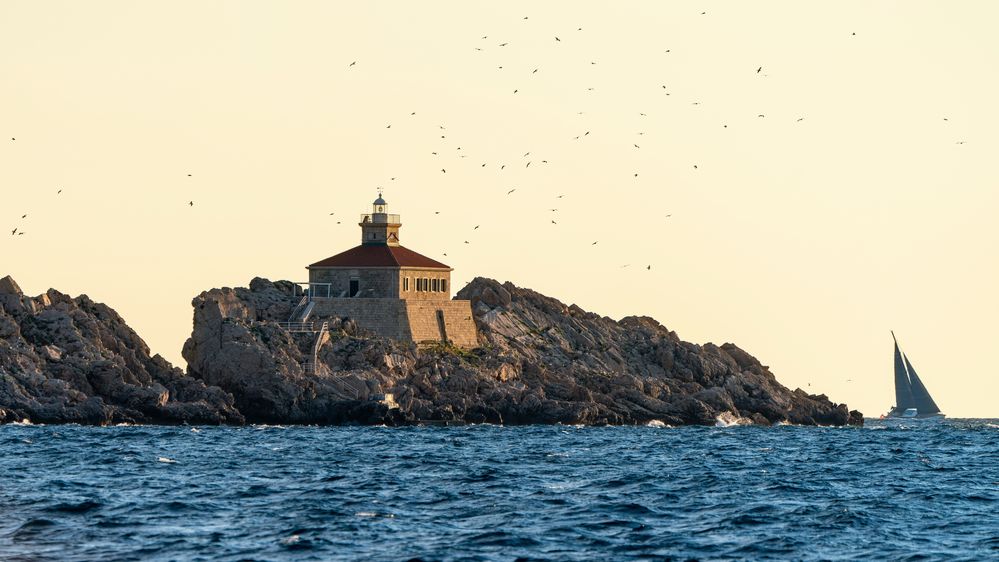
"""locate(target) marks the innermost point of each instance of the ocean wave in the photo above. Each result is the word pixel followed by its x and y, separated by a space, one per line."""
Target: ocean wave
pixel 490 492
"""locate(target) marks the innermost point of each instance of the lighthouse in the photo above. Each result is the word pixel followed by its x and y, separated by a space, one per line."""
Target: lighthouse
pixel 390 289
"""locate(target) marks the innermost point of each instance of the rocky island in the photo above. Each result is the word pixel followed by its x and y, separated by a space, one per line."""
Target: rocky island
pixel 538 360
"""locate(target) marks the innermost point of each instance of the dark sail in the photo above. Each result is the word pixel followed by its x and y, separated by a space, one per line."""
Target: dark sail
pixel 903 390
pixel 920 396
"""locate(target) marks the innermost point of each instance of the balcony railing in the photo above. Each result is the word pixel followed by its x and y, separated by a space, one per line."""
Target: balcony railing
pixel 380 218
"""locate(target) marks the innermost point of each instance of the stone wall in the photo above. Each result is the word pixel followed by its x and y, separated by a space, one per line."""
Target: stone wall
pixel 372 282
pixel 413 273
pixel 385 317
pixel 405 320
pixel 424 324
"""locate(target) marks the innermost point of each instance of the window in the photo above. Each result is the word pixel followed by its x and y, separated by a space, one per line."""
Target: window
pixel 434 286
pixel 405 283
pixel 443 285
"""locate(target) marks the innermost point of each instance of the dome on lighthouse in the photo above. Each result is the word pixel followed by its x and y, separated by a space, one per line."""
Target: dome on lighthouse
pixel 379 201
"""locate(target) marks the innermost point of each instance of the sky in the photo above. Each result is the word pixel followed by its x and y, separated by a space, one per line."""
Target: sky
pixel 796 178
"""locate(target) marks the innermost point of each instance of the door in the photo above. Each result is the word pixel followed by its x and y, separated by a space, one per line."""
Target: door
pixel 354 287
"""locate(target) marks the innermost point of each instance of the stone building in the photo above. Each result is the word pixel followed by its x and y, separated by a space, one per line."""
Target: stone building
pixel 390 290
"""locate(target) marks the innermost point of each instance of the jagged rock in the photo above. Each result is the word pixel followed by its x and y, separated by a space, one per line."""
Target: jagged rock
pixel 539 361
pixel 66 359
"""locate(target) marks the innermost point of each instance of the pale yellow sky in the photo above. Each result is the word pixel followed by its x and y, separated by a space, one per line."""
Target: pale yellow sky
pixel 804 236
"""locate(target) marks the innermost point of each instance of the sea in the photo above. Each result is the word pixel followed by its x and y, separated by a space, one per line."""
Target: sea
pixel 892 490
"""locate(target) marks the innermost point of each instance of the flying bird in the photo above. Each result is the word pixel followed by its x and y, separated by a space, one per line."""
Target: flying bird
pixel 511 191
pixel 191 203
pixel 636 146
pixel 476 227
pixel 649 267
pixel 557 39
pixel 800 119
pixel 553 222
pixel 515 91
pixel 443 170
pixel 534 71
pixel 351 64
pixel 759 69
pixel 503 44
pixel 695 166
pixel 528 165
pixel 594 244
pixel 24 216
pixel 13 232
pixel 560 196
pixel 466 241
pixel 58 192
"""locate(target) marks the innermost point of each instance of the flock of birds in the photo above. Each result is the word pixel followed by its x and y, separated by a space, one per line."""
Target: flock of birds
pixel 442 129
pixel 527 159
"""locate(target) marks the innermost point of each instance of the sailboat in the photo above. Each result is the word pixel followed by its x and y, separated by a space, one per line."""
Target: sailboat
pixel 912 400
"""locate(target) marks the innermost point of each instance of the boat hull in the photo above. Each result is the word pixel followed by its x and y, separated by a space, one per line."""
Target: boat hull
pixel 901 416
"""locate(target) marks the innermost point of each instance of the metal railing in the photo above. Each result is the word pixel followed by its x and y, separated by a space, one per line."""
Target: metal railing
pixel 298 308
pixel 380 218
pixel 298 327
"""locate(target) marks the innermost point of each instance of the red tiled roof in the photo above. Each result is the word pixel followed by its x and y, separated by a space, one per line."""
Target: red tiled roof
pixel 379 255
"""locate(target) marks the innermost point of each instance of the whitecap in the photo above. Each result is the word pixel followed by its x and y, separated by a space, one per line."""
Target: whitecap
pixel 291 540
pixel 728 419
pixel 657 423
pixel 166 460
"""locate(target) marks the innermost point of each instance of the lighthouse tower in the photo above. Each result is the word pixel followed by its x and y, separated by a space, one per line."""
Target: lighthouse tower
pixel 380 228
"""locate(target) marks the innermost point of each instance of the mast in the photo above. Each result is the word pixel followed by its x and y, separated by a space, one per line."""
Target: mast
pixel 903 388
pixel 921 397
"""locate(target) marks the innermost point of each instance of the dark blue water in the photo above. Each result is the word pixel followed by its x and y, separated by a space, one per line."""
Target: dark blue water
pixel 912 491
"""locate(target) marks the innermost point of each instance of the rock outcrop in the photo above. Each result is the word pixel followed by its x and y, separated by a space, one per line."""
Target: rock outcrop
pixel 65 360
pixel 539 361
